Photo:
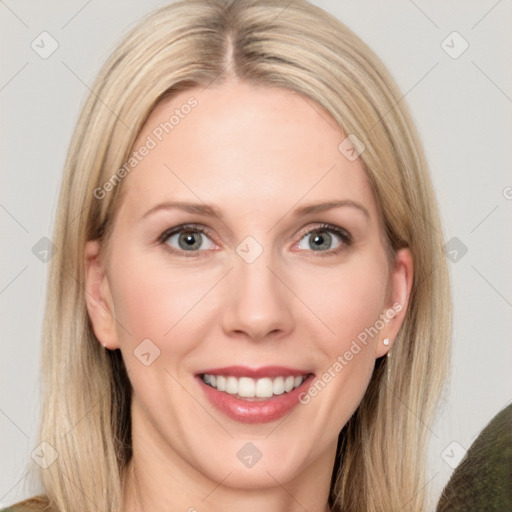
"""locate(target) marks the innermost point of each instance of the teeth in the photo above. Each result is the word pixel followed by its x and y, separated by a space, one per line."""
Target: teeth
pixel 264 388
pixel 278 386
pixel 232 385
pixel 220 384
pixel 246 387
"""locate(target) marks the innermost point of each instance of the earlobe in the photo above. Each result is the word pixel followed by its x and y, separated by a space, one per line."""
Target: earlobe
pixel 401 284
pixel 98 298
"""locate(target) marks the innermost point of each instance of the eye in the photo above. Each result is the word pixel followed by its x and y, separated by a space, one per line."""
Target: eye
pixel 186 238
pixel 325 238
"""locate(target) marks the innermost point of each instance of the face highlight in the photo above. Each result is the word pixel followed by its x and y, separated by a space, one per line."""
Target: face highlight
pixel 247 256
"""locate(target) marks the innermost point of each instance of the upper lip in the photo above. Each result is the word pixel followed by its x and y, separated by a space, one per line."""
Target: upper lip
pixel 256 373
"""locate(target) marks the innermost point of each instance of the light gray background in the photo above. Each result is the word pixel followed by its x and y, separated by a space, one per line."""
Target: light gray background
pixel 463 111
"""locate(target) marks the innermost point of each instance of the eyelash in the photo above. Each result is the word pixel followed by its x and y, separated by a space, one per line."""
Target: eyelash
pixel 343 235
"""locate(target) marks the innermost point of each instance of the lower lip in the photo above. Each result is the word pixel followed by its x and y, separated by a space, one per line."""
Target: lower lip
pixel 261 411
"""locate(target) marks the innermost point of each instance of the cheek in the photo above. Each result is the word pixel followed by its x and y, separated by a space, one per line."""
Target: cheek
pixel 348 299
pixel 151 299
pixel 157 303
pixel 350 305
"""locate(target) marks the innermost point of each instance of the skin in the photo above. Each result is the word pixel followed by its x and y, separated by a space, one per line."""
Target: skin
pixel 257 154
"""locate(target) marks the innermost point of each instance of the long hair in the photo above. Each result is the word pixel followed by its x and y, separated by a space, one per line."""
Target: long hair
pixel 381 457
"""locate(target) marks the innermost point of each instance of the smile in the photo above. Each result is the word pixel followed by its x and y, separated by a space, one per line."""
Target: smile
pixel 254 395
pixel 247 387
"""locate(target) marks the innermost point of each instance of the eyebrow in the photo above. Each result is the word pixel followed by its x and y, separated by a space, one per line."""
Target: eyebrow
pixel 329 205
pixel 212 211
pixel 200 209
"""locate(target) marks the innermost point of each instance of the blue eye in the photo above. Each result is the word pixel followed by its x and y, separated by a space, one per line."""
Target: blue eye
pixel 187 238
pixel 180 240
pixel 325 238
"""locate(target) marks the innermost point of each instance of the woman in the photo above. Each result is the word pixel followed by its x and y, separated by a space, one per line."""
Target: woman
pixel 246 230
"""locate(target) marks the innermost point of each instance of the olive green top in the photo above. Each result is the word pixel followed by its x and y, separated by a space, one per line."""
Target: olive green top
pixel 483 479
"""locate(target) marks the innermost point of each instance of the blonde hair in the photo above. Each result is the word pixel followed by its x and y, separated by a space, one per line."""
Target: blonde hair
pixel 380 464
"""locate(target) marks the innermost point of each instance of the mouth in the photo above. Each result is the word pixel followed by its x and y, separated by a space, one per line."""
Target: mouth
pixel 249 388
pixel 254 395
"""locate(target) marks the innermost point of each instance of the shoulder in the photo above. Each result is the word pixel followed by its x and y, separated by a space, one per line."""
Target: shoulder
pixel 35 504
pixel 483 477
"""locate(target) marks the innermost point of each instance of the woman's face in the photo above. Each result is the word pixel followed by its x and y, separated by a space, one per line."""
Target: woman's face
pixel 247 246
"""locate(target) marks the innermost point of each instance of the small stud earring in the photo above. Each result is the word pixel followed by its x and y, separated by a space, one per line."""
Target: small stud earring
pixel 385 341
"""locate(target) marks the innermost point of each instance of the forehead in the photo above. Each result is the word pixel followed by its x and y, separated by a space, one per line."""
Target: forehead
pixel 244 147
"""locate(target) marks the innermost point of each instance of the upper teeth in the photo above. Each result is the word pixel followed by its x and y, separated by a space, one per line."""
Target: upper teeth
pixel 250 388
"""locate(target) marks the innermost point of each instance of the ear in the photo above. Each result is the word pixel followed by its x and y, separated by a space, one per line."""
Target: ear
pixel 398 300
pixel 98 297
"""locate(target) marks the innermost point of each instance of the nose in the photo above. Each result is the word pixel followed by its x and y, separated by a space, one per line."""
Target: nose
pixel 258 305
